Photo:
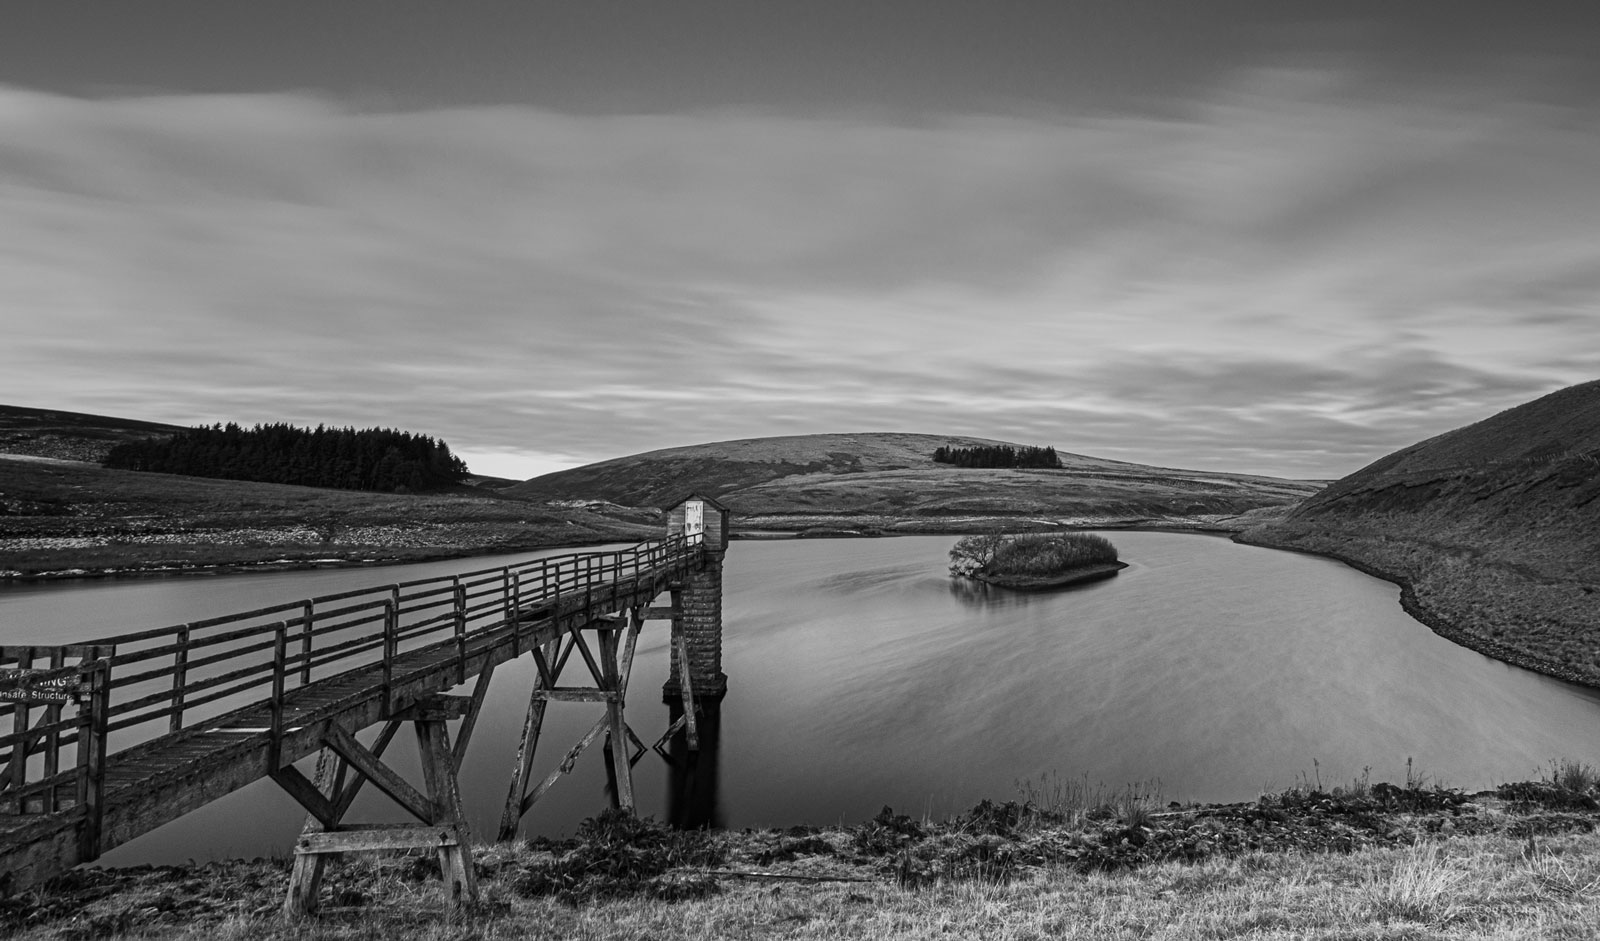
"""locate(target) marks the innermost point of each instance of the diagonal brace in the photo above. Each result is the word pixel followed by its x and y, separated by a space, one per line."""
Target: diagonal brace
pixel 380 774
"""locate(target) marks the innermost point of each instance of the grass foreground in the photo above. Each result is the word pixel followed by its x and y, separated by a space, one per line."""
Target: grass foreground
pixel 1379 862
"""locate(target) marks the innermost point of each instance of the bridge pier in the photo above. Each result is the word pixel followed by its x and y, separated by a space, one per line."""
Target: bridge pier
pixel 609 668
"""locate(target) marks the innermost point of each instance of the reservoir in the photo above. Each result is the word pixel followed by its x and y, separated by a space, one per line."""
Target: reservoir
pixel 860 674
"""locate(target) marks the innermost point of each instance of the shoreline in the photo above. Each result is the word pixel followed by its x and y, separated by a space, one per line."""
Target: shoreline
pixel 273 565
pixel 965 526
pixel 1433 620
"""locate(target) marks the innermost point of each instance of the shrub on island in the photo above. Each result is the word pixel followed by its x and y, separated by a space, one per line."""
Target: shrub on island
pixel 1035 560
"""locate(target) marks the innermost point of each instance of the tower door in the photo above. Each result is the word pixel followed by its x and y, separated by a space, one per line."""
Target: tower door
pixel 694 522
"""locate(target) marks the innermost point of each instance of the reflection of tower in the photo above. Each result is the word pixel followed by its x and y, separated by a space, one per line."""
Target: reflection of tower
pixel 692 783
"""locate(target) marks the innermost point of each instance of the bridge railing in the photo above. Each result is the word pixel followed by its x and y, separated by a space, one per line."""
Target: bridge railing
pixel 136 686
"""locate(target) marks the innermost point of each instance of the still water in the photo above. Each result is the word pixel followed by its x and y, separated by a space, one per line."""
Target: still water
pixel 860 674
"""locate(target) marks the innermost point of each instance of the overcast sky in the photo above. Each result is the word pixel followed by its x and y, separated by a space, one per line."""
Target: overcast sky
pixel 1275 237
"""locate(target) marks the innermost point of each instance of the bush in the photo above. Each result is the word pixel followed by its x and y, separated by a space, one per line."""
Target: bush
pixel 618 855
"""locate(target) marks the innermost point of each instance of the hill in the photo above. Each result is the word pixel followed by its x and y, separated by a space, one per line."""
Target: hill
pixel 1491 528
pixel 71 436
pixel 63 514
pixel 889 482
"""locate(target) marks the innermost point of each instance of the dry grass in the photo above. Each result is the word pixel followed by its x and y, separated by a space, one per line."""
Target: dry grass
pixel 1488 887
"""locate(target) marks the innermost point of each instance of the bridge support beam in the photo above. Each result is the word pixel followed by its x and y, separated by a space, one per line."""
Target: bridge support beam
pixel 609 668
pixel 443 826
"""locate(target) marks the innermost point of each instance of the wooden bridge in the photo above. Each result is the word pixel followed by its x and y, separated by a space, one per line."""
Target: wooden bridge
pixel 114 737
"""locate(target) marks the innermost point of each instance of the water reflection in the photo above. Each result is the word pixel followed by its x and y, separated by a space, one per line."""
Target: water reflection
pixel 692 782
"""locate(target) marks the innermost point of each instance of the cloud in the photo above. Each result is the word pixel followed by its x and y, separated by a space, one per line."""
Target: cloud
pixel 1290 275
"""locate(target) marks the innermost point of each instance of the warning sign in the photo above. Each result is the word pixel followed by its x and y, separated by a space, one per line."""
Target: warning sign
pixel 40 686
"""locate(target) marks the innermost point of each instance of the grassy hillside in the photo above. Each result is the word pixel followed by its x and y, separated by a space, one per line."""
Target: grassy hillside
pixel 71 436
pixel 890 482
pixel 1494 528
pixel 60 515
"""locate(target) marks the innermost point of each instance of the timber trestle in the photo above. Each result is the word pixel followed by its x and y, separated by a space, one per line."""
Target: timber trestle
pixel 113 738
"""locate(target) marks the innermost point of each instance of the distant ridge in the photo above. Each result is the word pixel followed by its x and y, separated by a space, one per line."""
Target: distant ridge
pixel 888 481
pixel 1494 528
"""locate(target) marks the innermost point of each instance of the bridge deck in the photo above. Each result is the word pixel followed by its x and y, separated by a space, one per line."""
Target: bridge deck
pixel 204 757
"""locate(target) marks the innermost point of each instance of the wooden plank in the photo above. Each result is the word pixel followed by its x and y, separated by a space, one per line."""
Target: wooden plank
pixel 636 624
pixel 661 613
pixel 577 694
pixel 387 838
pixel 470 720
pixel 622 768
pixel 511 817
pixel 347 795
pixel 686 690
pixel 566 764
pixel 588 657
pixel 305 794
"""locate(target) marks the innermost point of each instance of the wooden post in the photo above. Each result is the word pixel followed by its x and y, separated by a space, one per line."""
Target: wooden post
pixel 439 772
pixel 619 728
pixel 686 690
pixel 459 597
pixel 391 621
pixel 305 645
pixel 180 678
pixel 52 746
pixel 306 876
pixel 509 614
pixel 92 760
pixel 17 770
pixel 280 657
pixel 529 743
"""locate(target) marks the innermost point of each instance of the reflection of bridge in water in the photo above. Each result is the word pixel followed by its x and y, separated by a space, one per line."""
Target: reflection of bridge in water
pixel 112 738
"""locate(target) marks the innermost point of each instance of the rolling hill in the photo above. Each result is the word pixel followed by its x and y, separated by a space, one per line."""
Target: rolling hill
pixel 888 482
pixel 1493 529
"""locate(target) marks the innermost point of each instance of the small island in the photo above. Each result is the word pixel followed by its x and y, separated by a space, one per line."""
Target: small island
pixel 1035 561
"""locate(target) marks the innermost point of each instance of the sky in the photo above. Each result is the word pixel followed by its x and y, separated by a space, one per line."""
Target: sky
pixel 1273 237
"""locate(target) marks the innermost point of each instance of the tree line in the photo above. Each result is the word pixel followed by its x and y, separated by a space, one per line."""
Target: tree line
pixel 379 459
pixel 1000 455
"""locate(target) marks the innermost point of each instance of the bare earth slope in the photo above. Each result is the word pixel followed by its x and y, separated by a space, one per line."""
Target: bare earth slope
pixel 889 482
pixel 1493 528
